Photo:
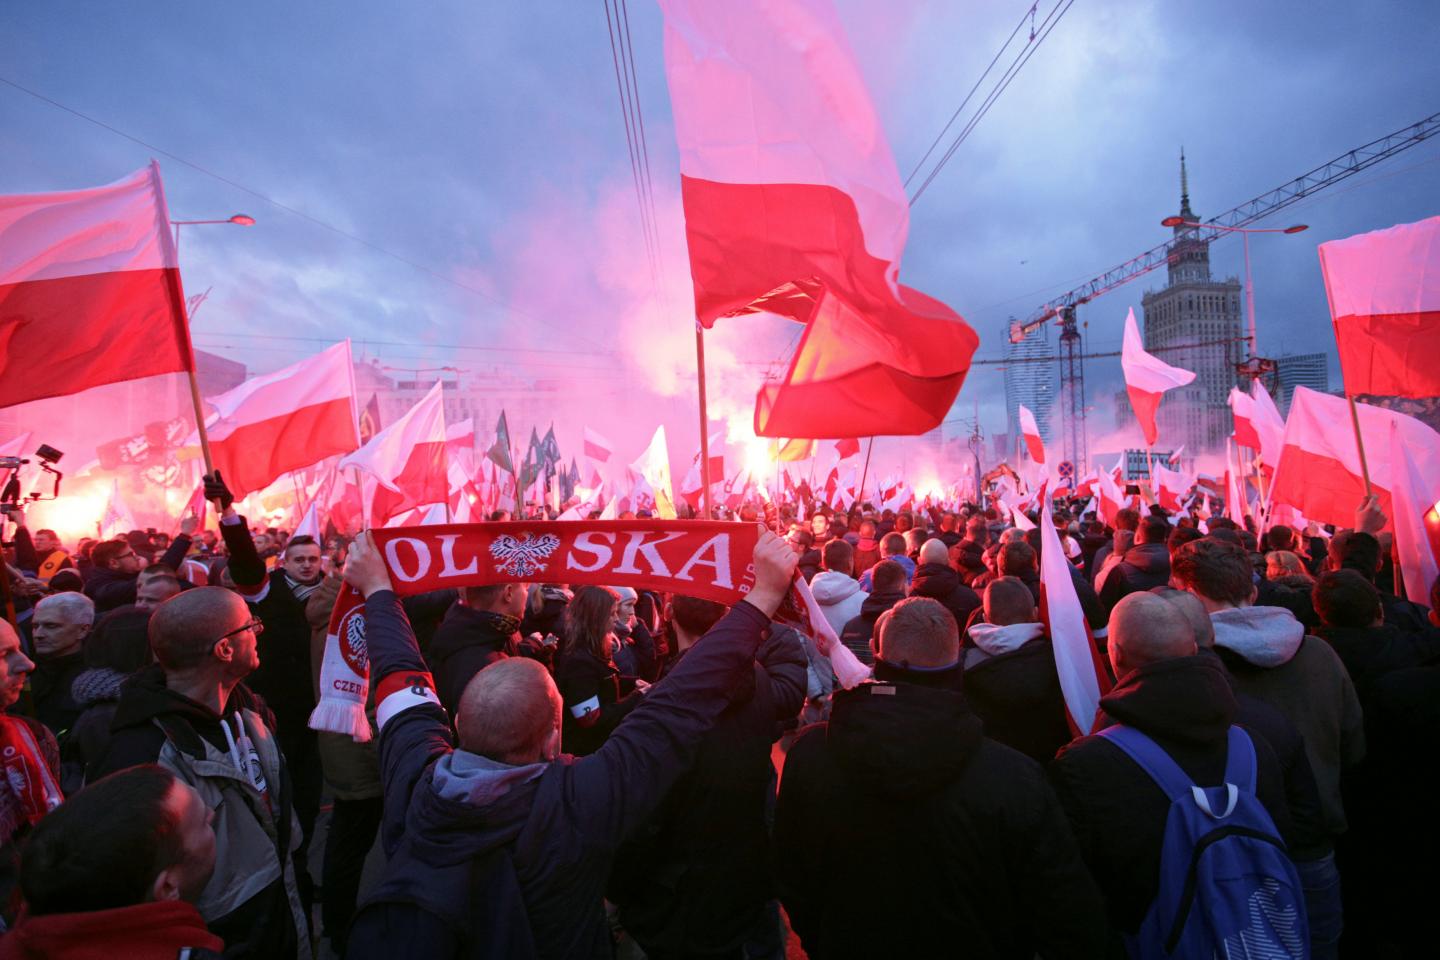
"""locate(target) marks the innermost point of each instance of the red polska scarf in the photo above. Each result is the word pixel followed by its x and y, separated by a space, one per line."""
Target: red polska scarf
pixel 30 790
pixel 698 558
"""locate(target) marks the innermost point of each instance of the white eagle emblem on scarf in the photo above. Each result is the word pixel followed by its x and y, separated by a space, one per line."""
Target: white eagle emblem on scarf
pixel 523 558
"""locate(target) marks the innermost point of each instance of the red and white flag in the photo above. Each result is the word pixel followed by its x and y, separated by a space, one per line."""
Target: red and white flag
pixel 1030 430
pixel 1147 377
pixel 460 444
pixel 89 289
pixel 309 525
pixel 406 460
pixel 1319 469
pixel 1410 501
pixel 597 448
pixel 1083 678
pixel 654 468
pixel 282 421
pixel 1170 487
pixel 794 206
pixel 1269 426
pixel 117 519
pixel 1384 290
pixel 1242 409
pixel 1175 457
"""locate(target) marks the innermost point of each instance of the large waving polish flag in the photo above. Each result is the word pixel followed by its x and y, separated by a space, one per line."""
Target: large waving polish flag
pixel 1319 469
pixel 282 421
pixel 1147 377
pixel 1082 673
pixel 1031 431
pixel 793 206
pixel 1418 563
pixel 89 289
pixel 1384 290
pixel 406 460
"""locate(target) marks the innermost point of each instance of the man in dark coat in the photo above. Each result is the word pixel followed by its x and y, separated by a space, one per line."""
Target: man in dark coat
pixel 1360 551
pixel 1125 519
pixel 1145 565
pixel 934 578
pixel 482 626
pixel 903 831
pixel 1010 677
pixel 1352 621
pixel 61 623
pixel 112 578
pixel 967 556
pixel 695 879
pixel 1181 700
pixel 888 579
pixel 503 846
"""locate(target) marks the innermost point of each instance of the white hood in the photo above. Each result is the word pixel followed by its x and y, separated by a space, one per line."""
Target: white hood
pixel 997 640
pixel 1264 636
pixel 831 587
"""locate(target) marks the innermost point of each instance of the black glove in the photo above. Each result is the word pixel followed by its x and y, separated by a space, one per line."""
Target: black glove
pixel 215 489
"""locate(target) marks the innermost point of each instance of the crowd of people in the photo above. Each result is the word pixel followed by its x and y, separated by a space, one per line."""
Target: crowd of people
pixel 583 771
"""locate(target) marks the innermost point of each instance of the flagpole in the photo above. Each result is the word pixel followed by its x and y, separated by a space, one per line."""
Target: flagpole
pixel 1359 444
pixel 299 500
pixel 864 473
pixel 704 423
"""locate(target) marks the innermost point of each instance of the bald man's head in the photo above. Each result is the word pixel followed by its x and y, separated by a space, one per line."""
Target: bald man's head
pixel 935 551
pixel 1007 601
pixel 1144 629
pixel 510 712
pixel 185 628
pixel 1194 611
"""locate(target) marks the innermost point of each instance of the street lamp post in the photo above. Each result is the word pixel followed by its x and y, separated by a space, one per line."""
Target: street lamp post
pixel 240 219
pixel 1253 366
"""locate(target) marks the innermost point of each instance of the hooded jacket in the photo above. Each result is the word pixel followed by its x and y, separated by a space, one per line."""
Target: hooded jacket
pixel 1144 565
pixel 858 631
pixel 1371 652
pixel 938 582
pixel 1118 812
pixel 908 565
pixel 1012 685
pixel 97 691
pixel 696 877
pixel 902 831
pixel 968 559
pixel 492 859
pixel 251 901
pixel 158 930
pixel 467 642
pixel 839 596
pixel 1270 657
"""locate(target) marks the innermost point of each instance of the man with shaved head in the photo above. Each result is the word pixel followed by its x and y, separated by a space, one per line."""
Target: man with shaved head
pixel 953 838
pixel 1182 701
pixel 936 579
pixel 190 713
pixel 502 845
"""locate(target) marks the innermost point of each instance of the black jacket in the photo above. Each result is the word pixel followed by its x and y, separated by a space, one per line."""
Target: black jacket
pixel 594 700
pixel 111 588
pixel 467 642
pixel 1371 652
pixel 696 877
pixel 903 832
pixel 1292 593
pixel 856 634
pixel 476 848
pixel 1144 565
pixel 50 685
pixel 1018 696
pixel 939 582
pixel 1118 812
pixel 968 559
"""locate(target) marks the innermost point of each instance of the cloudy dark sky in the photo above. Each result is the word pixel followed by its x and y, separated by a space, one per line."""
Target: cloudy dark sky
pixel 484 142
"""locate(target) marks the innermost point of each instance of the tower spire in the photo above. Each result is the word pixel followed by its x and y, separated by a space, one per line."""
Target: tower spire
pixel 1185 210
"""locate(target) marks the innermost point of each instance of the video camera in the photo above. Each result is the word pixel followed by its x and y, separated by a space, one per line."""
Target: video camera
pixel 10 497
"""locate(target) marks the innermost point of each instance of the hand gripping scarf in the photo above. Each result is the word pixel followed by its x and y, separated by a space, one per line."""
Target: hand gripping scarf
pixel 697 558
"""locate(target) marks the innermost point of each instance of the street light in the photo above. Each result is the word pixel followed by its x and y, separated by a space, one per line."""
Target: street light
pixel 239 219
pixel 1251 366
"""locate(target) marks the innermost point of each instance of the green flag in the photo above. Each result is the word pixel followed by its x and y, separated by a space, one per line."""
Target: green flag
pixel 499 453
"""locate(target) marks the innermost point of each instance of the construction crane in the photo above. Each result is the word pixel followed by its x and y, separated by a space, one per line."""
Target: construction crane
pixel 1062 308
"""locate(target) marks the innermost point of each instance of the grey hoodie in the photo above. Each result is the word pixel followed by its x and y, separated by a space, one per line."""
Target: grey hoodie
pixel 1264 636
pixel 992 641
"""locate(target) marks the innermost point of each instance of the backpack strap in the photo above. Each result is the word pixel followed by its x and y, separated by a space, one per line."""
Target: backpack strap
pixel 1240 763
pixel 1153 759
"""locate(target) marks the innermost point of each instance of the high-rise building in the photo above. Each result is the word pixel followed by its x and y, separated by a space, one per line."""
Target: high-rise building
pixel 1029 379
pixel 1195 323
pixel 1300 370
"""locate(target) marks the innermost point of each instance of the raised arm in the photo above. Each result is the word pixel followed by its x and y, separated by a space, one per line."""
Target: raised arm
pixel 619 785
pixel 246 567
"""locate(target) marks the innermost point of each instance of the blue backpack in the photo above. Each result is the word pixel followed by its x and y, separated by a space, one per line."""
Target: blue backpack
pixel 1227 886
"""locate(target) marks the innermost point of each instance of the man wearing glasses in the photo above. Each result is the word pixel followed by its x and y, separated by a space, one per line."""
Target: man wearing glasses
pixel 190 713
pixel 111 581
